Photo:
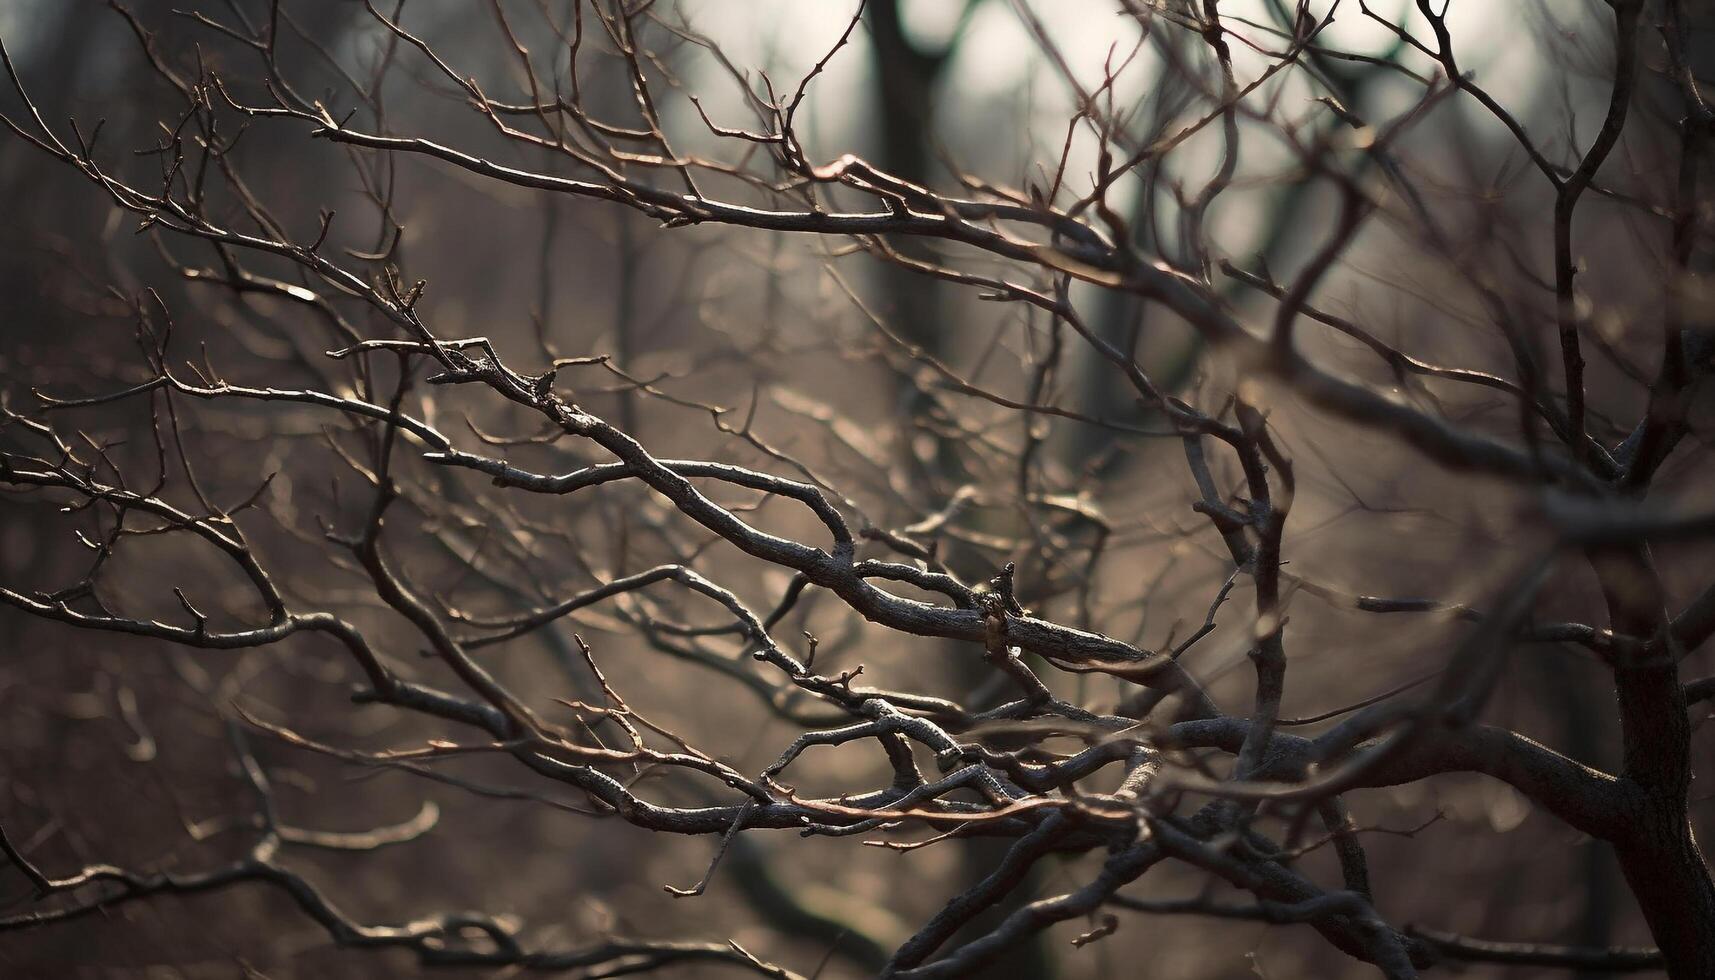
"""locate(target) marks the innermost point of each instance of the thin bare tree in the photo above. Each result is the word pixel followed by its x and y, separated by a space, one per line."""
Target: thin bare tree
pixel 1262 282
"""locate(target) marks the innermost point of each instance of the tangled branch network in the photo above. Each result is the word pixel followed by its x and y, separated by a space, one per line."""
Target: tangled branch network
pixel 433 517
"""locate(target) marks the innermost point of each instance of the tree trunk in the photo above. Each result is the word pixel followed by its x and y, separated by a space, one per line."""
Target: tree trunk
pixel 1665 869
pixel 1657 849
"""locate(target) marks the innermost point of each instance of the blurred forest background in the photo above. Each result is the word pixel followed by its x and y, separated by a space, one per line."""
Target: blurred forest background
pixel 117 749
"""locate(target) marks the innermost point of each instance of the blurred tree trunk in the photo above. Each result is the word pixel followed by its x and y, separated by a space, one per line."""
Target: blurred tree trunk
pixel 905 78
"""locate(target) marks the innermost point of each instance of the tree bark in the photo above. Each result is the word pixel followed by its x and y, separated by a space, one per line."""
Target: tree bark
pixel 1666 871
pixel 1657 848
